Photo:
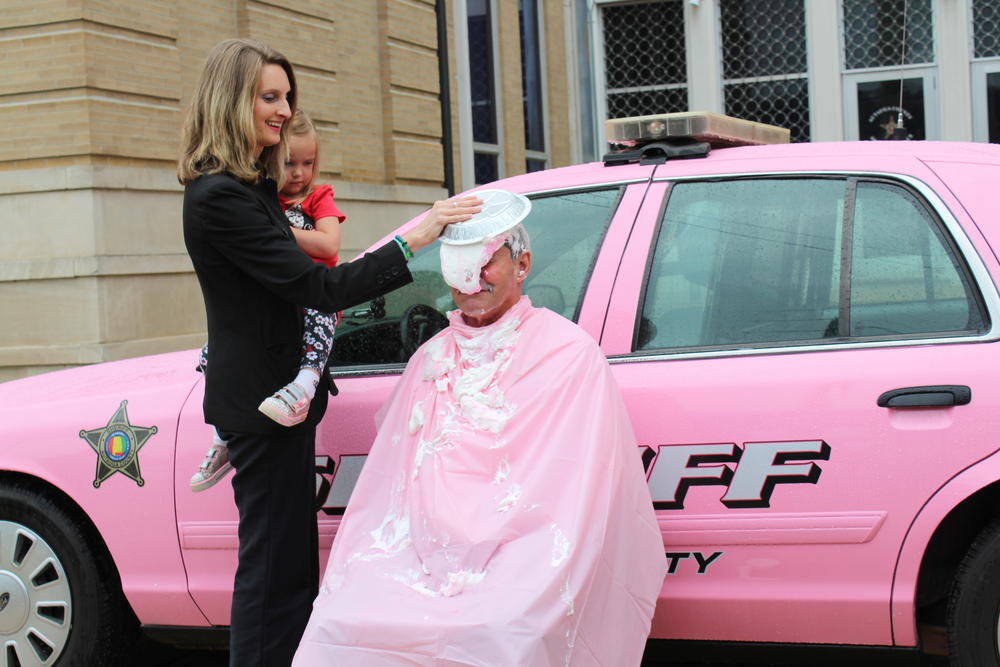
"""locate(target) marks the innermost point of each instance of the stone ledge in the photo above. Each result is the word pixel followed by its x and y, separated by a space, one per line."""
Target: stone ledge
pixel 159 179
pixel 39 356
pixel 90 267
pixel 88 177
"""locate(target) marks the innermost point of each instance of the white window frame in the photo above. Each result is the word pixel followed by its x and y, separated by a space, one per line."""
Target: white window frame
pixel 928 73
pixel 594 8
pixel 468 147
pixel 980 108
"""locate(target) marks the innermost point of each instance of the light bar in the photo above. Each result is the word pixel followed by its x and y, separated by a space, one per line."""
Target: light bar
pixel 717 129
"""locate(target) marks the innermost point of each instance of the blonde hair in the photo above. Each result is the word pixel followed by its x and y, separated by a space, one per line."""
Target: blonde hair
pixel 302 126
pixel 218 132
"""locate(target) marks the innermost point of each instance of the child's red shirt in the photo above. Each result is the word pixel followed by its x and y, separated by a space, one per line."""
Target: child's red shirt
pixel 318 204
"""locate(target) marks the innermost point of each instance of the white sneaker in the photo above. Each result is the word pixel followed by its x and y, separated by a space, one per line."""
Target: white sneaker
pixel 288 406
pixel 214 467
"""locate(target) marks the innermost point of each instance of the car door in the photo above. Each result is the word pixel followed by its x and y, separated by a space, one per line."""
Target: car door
pixel 756 329
pixel 578 235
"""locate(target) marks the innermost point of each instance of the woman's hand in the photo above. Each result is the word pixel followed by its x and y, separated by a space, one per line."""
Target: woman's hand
pixel 443 213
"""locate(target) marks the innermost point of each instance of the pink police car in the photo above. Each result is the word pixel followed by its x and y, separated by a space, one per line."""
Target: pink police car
pixel 806 337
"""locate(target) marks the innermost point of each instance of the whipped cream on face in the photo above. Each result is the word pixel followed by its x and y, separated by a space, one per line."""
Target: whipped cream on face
pixel 461 265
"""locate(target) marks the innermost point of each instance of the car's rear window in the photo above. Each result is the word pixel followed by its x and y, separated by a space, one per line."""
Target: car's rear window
pixel 777 261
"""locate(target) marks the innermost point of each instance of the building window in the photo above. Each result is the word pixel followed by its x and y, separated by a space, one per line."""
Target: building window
pixel 889 44
pixel 482 85
pixel 986 71
pixel 532 85
pixel 765 75
pixel 874 31
pixel 992 84
pixel 644 60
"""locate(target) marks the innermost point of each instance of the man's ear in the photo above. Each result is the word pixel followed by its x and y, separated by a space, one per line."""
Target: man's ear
pixel 523 265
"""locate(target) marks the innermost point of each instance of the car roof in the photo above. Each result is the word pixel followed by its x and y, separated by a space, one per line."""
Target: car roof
pixel 860 156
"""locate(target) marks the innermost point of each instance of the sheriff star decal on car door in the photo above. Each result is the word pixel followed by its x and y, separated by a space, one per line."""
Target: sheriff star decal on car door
pixel 117 446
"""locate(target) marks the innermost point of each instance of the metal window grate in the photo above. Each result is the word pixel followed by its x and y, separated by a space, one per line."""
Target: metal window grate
pixel 763 38
pixel 645 63
pixel 784 103
pixel 986 28
pixel 874 29
pixel 764 63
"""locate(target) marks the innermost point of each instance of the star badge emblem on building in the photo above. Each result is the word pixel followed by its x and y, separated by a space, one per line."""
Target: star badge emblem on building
pixel 117 446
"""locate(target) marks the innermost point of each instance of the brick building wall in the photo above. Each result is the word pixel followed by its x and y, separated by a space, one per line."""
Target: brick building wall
pixel 92 266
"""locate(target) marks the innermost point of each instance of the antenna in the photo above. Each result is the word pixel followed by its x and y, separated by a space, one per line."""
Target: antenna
pixel 899 132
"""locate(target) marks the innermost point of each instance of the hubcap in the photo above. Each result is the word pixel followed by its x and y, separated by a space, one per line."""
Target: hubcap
pixel 13 603
pixel 35 600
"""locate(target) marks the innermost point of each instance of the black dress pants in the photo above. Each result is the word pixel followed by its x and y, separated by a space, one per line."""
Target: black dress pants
pixel 278 573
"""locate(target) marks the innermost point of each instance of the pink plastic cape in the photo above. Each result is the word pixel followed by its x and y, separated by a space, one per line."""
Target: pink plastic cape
pixel 502 517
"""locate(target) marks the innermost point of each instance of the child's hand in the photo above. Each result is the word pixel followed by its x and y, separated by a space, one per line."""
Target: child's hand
pixel 443 213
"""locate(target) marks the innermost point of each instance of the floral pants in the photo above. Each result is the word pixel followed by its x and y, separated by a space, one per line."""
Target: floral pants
pixel 317 327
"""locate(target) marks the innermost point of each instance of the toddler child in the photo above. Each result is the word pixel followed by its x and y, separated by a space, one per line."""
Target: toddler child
pixel 315 222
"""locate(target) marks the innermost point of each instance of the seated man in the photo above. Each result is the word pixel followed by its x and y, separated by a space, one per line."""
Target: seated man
pixel 502 517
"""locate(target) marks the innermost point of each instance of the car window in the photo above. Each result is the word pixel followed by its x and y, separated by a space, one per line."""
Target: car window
pixel 905 278
pixel 759 262
pixel 566 230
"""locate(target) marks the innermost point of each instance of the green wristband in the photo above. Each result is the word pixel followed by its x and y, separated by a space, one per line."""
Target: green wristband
pixel 407 253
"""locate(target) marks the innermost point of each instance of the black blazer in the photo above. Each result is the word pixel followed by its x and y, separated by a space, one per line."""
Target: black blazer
pixel 254 278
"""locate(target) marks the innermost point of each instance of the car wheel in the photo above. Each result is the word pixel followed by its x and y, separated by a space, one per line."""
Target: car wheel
pixel 58 603
pixel 974 607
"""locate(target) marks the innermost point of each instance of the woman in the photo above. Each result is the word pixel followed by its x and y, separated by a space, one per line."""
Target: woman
pixel 254 280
